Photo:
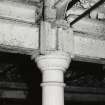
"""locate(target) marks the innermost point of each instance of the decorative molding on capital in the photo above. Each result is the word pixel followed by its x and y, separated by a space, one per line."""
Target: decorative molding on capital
pixel 54 61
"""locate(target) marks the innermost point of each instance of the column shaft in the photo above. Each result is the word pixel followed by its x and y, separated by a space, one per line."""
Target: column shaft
pixel 53 94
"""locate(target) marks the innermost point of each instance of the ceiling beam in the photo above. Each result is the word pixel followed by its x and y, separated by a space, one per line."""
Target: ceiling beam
pixel 19 12
pixel 18 37
pixel 93 48
pixel 81 47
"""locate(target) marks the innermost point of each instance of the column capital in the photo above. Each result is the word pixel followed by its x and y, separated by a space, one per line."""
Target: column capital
pixel 54 61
